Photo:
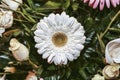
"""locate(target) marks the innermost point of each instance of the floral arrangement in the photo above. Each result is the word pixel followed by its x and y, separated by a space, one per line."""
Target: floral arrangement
pixel 59 39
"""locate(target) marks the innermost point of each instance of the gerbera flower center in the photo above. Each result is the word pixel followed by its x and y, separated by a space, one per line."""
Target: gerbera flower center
pixel 59 39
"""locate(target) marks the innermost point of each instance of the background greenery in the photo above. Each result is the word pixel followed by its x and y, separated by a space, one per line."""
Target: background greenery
pixel 100 27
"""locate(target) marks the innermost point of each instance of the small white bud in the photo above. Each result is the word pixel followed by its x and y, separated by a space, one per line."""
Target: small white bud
pixel 19 51
pixel 12 4
pixel 111 71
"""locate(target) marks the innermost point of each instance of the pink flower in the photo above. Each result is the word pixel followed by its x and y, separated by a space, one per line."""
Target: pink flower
pixel 101 3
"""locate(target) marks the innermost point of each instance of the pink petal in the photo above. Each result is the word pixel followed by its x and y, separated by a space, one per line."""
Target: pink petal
pixel 117 2
pixel 85 1
pixel 108 3
pixel 113 3
pixel 91 2
pixel 102 3
pixel 96 4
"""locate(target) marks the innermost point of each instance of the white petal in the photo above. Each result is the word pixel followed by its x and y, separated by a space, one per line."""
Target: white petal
pixel 38 39
pixel 75 27
pixel 70 22
pixel 79 46
pixel 65 17
pixel 41 51
pixel 69 56
pixel 39 45
pixel 57 59
pixel 78 36
pixel 40 34
pixel 50 58
pixel 45 55
pixel 116 60
pixel 58 20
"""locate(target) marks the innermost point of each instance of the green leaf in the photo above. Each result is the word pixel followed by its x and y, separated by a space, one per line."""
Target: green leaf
pixel 75 6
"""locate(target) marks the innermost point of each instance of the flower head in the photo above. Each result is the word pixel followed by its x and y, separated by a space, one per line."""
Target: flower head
pixel 12 4
pixel 112 51
pixel 101 3
pixel 19 51
pixel 111 71
pixel 6 20
pixel 31 76
pixel 59 38
pixel 98 77
pixel 10 69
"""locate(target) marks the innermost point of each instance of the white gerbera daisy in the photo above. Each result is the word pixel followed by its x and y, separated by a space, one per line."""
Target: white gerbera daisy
pixel 59 38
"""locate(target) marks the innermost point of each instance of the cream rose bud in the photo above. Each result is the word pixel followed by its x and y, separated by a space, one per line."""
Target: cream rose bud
pixel 12 4
pixel 112 51
pixel 19 51
pixel 98 77
pixel 6 18
pixel 111 71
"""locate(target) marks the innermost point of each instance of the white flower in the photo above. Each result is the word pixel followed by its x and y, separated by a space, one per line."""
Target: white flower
pixel 31 76
pixel 6 18
pixel 12 4
pixel 59 38
pixel 111 71
pixel 3 77
pixel 98 77
pixel 20 52
pixel 112 51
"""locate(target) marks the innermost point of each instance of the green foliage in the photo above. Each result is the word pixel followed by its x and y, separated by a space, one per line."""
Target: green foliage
pixel 90 62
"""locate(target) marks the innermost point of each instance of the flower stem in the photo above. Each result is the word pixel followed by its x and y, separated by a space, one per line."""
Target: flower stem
pixel 34 65
pixel 101 36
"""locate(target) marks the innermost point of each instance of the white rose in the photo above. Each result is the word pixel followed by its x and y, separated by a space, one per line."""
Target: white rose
pixel 98 77
pixel 6 18
pixel 12 4
pixel 19 51
pixel 111 71
pixel 112 51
